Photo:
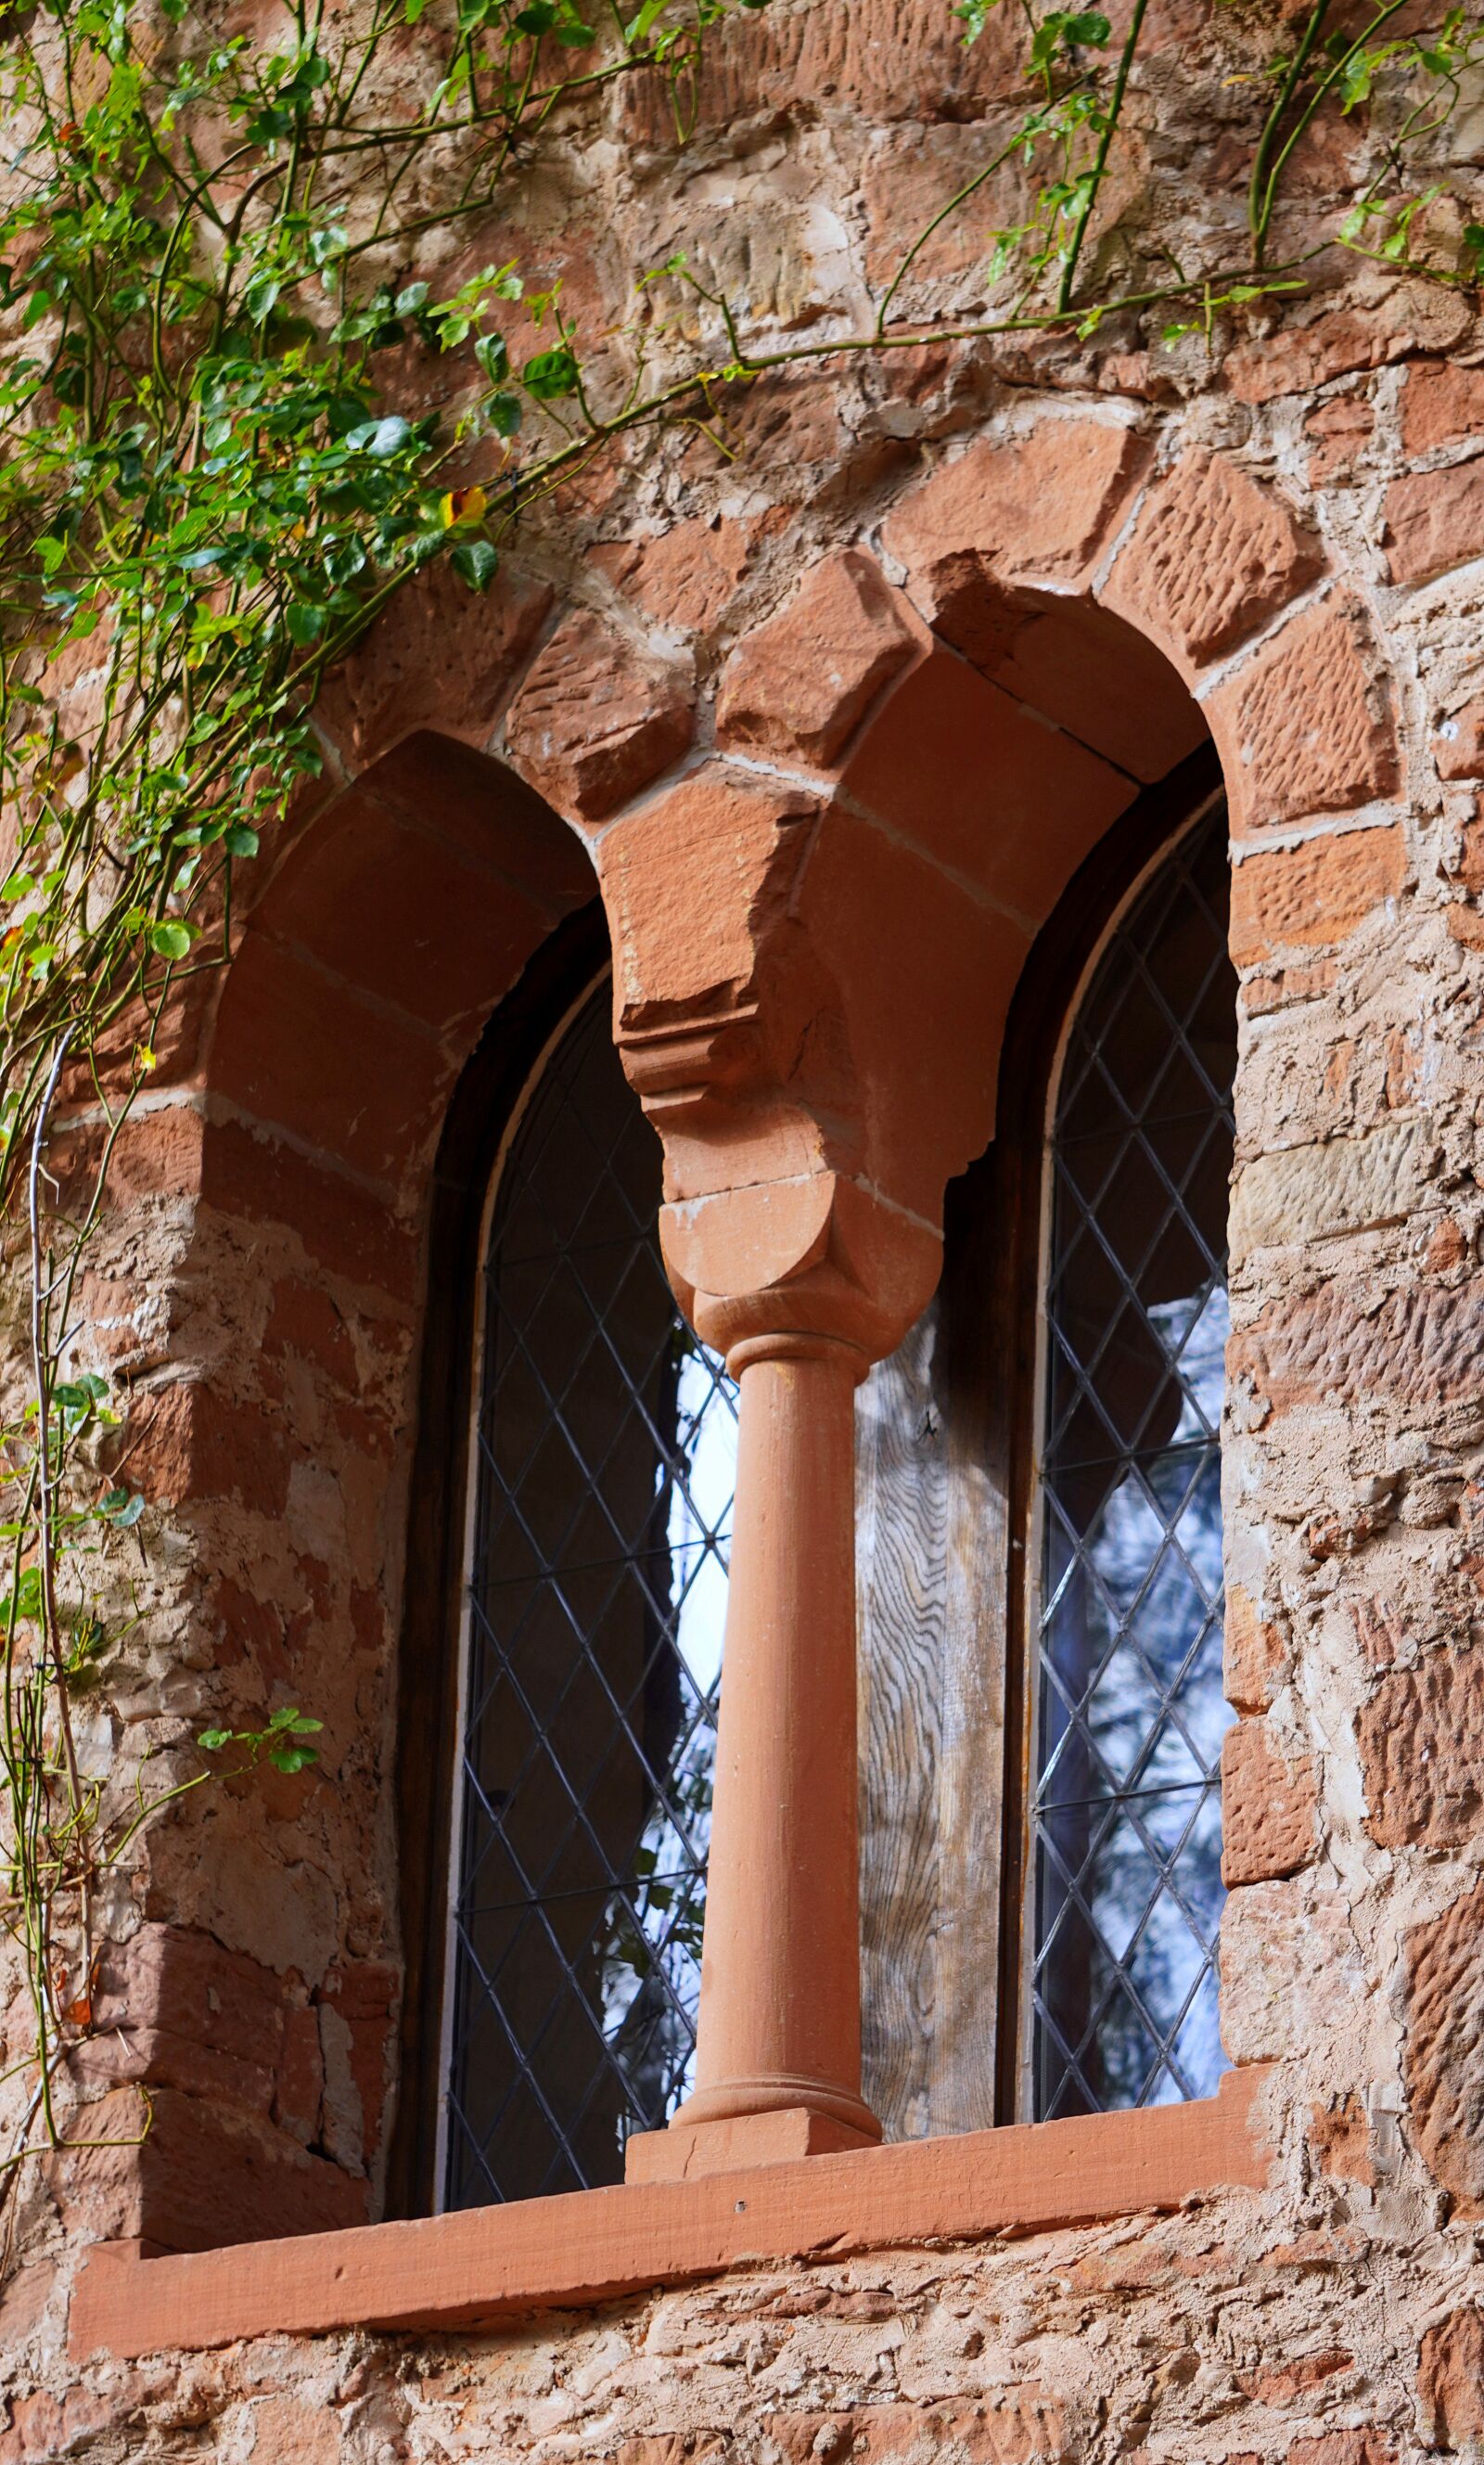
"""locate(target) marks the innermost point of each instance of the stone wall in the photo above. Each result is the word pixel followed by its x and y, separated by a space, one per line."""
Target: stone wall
pixel 833 722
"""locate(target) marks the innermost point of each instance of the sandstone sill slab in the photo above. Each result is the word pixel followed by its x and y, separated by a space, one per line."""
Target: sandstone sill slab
pixel 584 2246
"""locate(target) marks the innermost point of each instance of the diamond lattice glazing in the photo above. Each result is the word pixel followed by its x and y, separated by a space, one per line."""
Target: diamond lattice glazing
pixel 1126 1816
pixel 606 1463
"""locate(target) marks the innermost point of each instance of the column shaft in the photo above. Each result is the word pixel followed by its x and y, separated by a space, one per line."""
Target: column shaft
pixel 780 2006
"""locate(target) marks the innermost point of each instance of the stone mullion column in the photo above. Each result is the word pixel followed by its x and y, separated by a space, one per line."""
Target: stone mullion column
pixel 780 2013
pixel 802 1286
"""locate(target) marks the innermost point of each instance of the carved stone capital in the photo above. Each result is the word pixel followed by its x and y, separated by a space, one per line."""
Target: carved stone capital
pixel 784 1267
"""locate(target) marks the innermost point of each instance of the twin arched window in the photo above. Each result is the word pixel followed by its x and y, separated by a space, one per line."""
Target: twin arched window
pixel 602 1471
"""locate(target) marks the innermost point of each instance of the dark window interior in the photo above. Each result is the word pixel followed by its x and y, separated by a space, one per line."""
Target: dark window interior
pixel 1125 1818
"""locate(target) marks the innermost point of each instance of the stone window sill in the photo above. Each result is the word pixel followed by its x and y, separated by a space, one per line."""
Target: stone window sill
pixel 586 2247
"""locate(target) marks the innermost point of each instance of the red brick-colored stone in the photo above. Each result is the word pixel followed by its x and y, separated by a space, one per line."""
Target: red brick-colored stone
pixel 1441 402
pixel 183 2002
pixel 490 816
pixel 800 684
pixel 1317 892
pixel 597 719
pixel 301 2080
pixel 247 1173
pixel 1458 746
pixel 1043 504
pixel 1420 1740
pixel 1299 358
pixel 983 787
pixel 348 1076
pixel 1079 666
pixel 1212 558
pixel 191 1442
pixel 1451 2378
pixel 439 655
pixel 1362 2447
pixel 203 2175
pixel 1433 520
pixel 1443 2052
pixel 1342 429
pixel 392 908
pixel 1422 1346
pixel 1028 2425
pixel 685 579
pixel 1306 726
pixel 1277 2385
pixel 1254 1654
pixel 1267 1807
pixel 1340 2138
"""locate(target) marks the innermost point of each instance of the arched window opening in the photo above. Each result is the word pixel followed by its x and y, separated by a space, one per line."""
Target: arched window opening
pixel 1124 1818
pixel 602 1474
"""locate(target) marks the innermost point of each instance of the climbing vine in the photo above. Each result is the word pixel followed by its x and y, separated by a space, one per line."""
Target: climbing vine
pixel 242 410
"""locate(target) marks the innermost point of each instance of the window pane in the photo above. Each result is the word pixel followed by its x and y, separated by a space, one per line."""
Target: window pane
pixel 606 1461
pixel 1126 1816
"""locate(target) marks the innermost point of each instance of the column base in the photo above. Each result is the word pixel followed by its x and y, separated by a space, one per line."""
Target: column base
pixel 737 2141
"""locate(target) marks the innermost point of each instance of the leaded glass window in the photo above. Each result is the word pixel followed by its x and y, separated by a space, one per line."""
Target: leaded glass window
pixel 604 1465
pixel 1125 1818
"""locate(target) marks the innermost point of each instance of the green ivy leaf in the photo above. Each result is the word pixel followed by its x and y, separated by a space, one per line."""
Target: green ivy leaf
pixel 476 562
pixel 170 938
pixel 305 622
pixel 239 839
pixel 551 374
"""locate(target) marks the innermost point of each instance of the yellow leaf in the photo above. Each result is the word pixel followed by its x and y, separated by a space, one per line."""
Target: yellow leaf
pixel 147 1056
pixel 462 505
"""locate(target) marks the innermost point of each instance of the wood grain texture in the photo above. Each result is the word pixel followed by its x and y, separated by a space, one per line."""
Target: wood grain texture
pixel 930 1557
pixel 901 1577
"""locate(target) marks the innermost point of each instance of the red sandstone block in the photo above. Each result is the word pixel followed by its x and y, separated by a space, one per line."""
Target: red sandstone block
pixel 1043 504
pixel 1212 558
pixel 347 1230
pixel 1442 1962
pixel 1083 669
pixel 1267 1807
pixel 1341 430
pixel 1451 2378
pixel 1420 1740
pixel 158 1154
pixel 1254 1654
pixel 1441 402
pixel 597 719
pixel 800 684
pixel 489 813
pixel 1306 726
pixel 687 578
pixel 878 913
pixel 439 655
pixel 1434 520
pixel 983 786
pixel 694 885
pixel 1458 748
pixel 187 1442
pixel 202 2176
pixel 301 2080
pixel 397 913
pixel 351 1077
pixel 1315 892
pixel 1299 358
pixel 366 1994
pixel 304 1320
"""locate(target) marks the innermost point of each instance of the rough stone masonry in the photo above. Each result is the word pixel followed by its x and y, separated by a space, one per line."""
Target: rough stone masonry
pixel 743 681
